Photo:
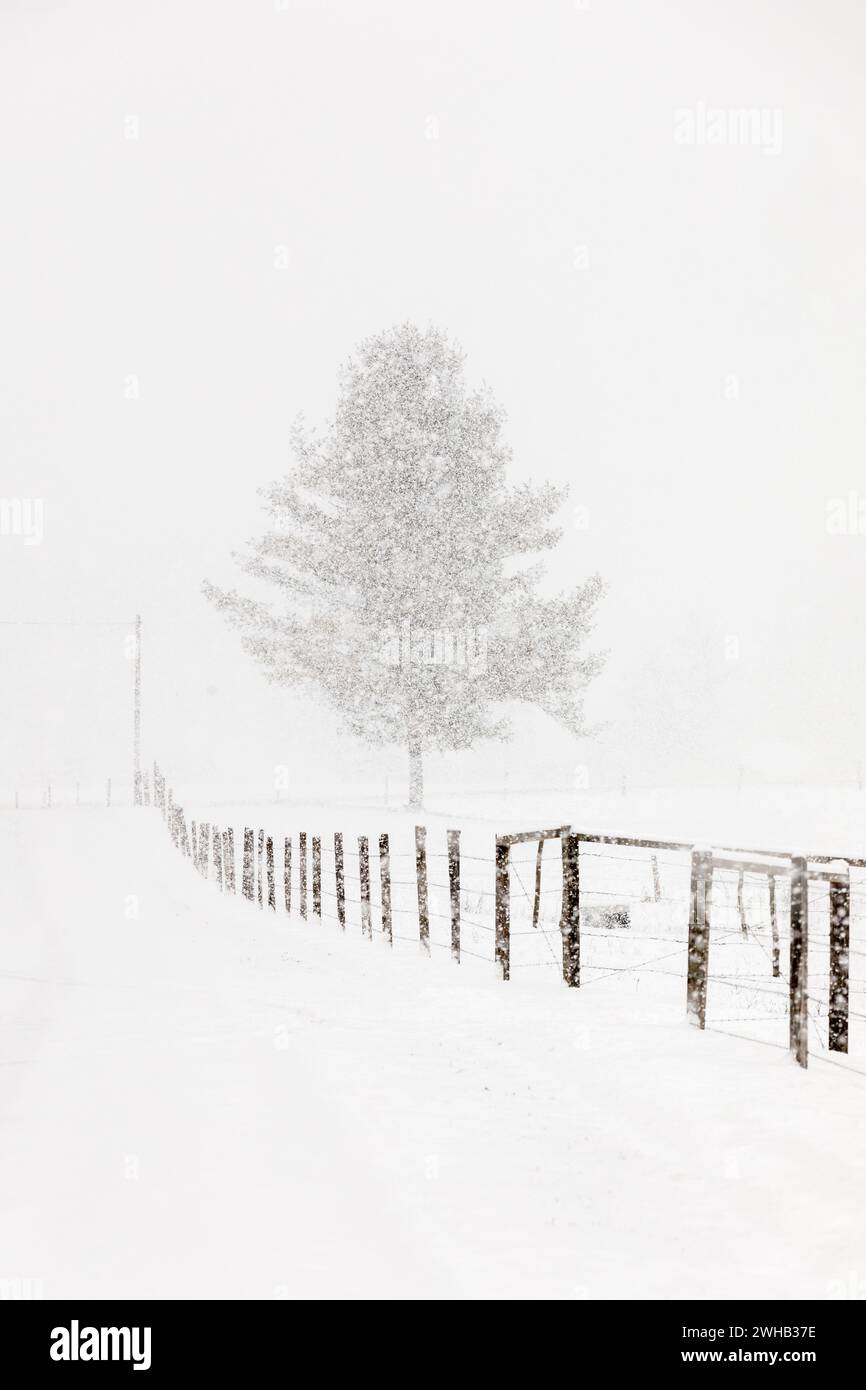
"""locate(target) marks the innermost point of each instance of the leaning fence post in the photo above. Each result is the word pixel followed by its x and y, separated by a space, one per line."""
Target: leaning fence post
pixel 287 873
pixel 570 922
pixel 340 877
pixel 317 877
pixel 699 937
pixel 774 926
pixel 385 881
pixel 840 916
pixel 269 868
pixel 798 974
pixel 248 879
pixel 503 923
pixel 454 891
pixel 260 868
pixel 302 872
pixel 229 860
pixel 421 880
pixel 364 876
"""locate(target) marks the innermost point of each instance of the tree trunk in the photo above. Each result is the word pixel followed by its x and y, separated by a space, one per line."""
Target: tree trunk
pixel 416 776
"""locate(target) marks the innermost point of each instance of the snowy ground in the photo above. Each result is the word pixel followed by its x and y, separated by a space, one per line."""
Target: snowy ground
pixel 198 1098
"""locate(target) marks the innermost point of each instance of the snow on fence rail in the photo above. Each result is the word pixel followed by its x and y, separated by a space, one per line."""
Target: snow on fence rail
pixel 615 898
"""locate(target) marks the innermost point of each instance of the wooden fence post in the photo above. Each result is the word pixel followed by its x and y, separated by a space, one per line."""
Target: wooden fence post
pixel 385 881
pixel 340 877
pixel 657 886
pixel 570 922
pixel 503 910
pixel 454 891
pixel 260 869
pixel 421 880
pixel 287 873
pixel 269 869
pixel 229 860
pixel 536 902
pixel 798 973
pixel 699 937
pixel 364 876
pixel 740 904
pixel 248 879
pixel 302 872
pixel 317 877
pixel 840 918
pixel 774 926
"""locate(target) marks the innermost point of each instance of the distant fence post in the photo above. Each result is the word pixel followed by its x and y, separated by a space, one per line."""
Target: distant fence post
pixel 229 860
pixel 248 879
pixel 798 974
pixel 260 868
pixel 421 880
pixel 699 936
pixel 269 868
pixel 657 885
pixel 503 915
pixel 385 881
pixel 454 891
pixel 287 873
pixel 774 926
pixel 840 920
pixel 317 877
pixel 340 879
pixel 364 877
pixel 302 872
pixel 570 922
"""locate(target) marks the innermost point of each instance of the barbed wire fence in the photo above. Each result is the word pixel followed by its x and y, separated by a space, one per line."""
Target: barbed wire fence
pixel 759 941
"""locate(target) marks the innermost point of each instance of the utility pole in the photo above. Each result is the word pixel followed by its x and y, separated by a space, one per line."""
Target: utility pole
pixel 136 718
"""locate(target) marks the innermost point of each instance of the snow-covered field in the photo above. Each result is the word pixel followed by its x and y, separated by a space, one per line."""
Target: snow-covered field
pixel 199 1098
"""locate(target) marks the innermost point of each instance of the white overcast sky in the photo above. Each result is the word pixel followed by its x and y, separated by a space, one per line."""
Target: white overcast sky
pixel 307 127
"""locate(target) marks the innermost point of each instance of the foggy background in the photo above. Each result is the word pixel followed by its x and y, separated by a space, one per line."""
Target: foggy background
pixel 207 206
